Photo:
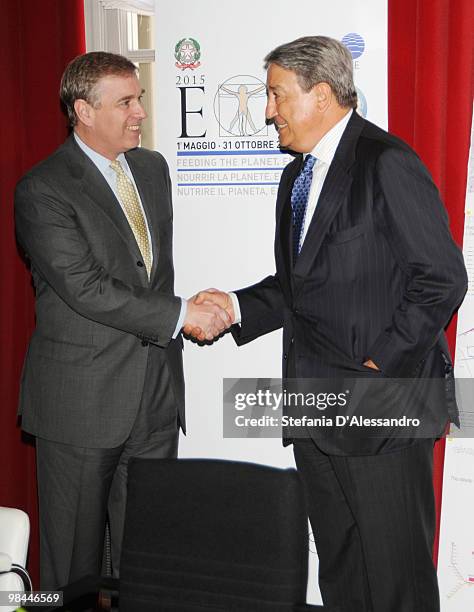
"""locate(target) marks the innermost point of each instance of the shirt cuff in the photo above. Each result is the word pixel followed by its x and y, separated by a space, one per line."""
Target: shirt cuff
pixel 236 306
pixel 182 316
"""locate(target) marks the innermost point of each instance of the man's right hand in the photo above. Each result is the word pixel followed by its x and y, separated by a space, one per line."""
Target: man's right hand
pixel 205 319
pixel 210 297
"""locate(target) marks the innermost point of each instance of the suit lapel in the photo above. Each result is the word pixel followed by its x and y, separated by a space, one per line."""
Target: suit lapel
pixel 283 236
pixel 335 192
pixel 93 185
pixel 96 189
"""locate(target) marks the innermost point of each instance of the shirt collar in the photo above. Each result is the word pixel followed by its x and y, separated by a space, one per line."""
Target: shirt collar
pixel 102 163
pixel 326 148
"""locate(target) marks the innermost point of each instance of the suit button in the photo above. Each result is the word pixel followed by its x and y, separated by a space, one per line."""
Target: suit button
pixel 285 356
pixel 145 342
pixel 292 341
pixel 295 311
pixel 140 264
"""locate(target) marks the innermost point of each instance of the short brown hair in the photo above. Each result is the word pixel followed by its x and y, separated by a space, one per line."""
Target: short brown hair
pixel 82 75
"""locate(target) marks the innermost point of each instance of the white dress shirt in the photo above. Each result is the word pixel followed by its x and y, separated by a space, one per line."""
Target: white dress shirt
pixel 324 153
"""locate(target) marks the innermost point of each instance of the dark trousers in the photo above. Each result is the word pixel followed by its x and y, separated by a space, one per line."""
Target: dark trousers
pixel 79 486
pixel 373 522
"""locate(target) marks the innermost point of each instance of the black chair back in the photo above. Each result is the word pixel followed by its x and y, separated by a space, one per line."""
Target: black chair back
pixel 215 535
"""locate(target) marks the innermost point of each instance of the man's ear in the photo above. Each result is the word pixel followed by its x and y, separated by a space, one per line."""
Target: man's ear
pixel 84 112
pixel 324 95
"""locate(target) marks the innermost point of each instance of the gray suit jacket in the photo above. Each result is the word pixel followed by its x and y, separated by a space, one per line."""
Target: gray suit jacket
pixel 97 314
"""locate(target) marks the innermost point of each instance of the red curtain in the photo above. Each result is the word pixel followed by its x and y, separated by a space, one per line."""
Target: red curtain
pixel 430 89
pixel 38 38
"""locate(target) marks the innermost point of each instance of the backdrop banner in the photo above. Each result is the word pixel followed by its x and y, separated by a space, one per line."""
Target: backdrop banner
pixel 456 541
pixel 225 166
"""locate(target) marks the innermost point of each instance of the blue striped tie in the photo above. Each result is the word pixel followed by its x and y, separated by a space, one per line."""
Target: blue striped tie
pixel 299 201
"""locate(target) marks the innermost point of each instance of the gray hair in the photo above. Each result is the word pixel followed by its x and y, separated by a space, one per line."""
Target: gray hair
pixel 84 72
pixel 318 59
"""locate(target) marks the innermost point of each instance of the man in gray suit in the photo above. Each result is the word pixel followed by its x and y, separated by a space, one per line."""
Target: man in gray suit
pixel 103 378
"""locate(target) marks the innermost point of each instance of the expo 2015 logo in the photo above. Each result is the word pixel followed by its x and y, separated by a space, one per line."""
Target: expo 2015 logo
pixel 355 43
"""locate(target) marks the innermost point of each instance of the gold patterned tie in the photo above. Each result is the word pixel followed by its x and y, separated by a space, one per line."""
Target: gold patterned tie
pixel 129 199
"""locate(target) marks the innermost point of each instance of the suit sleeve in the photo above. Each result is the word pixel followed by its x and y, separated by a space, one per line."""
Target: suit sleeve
pixel 261 307
pixel 48 232
pixel 415 224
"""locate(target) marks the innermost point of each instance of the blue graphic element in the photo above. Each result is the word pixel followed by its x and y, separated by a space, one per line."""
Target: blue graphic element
pixel 221 184
pixel 355 43
pixel 221 152
pixel 361 103
pixel 247 169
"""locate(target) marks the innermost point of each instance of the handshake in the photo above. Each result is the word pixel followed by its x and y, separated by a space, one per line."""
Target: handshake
pixel 208 314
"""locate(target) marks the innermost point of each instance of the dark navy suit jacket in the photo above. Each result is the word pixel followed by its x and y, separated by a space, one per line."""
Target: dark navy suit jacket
pixel 379 275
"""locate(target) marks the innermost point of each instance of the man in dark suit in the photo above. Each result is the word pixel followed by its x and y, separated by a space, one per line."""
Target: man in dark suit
pixel 367 277
pixel 103 378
